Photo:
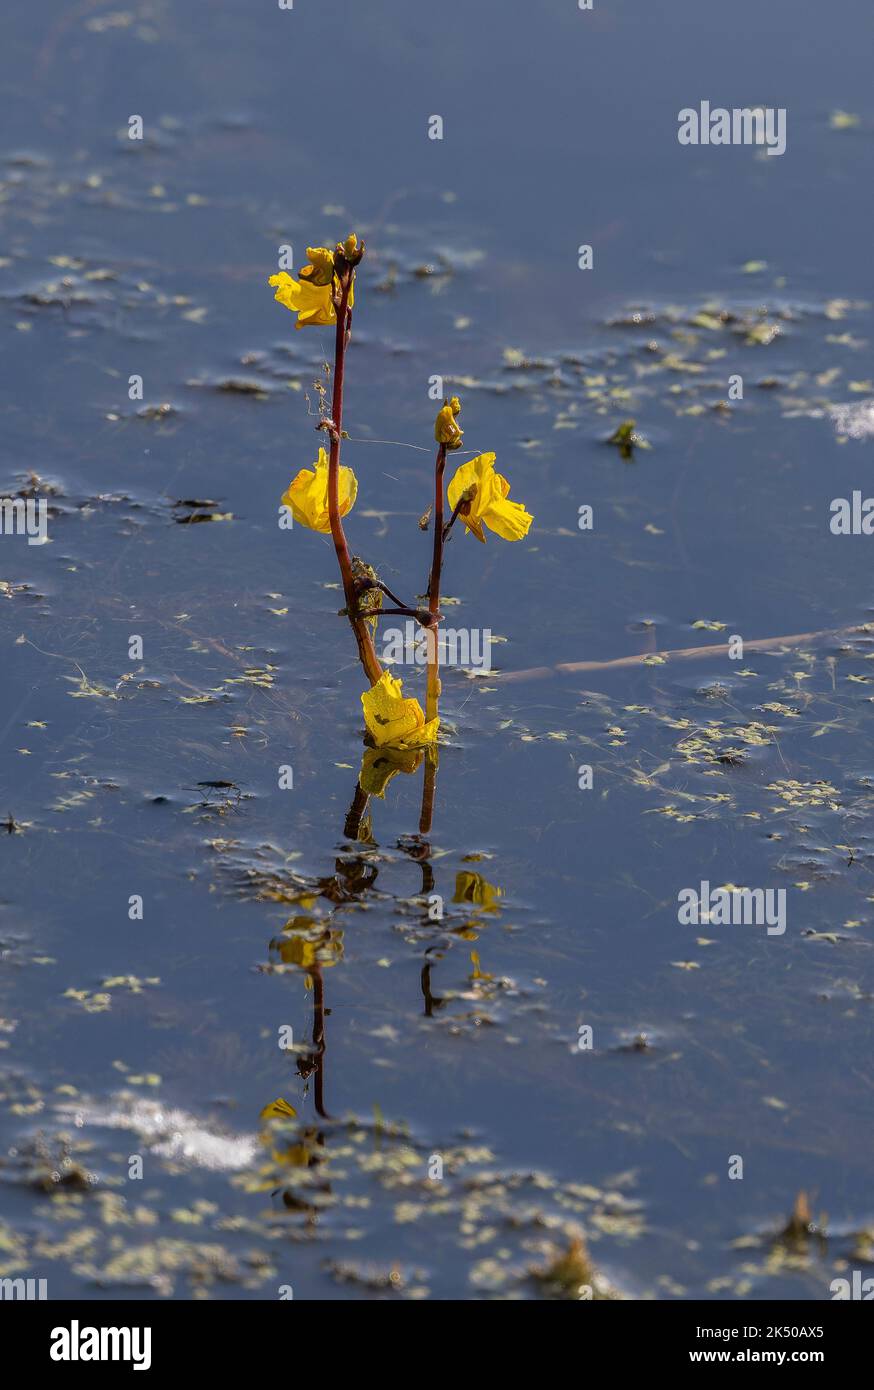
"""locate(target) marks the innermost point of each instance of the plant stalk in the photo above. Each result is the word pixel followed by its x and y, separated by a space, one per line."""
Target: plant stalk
pixel 434 589
pixel 366 651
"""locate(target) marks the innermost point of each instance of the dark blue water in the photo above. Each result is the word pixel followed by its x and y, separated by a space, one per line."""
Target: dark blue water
pixel 264 127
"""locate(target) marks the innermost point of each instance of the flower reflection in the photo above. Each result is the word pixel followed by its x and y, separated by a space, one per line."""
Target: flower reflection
pixel 476 890
pixel 309 944
pixel 306 942
pixel 380 765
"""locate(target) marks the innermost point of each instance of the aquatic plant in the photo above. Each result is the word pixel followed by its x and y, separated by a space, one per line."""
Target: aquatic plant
pixel 321 496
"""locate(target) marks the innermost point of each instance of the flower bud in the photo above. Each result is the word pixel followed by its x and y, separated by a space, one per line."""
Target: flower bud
pixel 351 251
pixel 446 431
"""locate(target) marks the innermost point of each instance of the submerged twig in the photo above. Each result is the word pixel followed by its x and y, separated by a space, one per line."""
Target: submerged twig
pixel 755 644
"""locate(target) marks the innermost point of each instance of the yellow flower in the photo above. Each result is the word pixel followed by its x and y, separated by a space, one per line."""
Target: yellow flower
pixel 487 503
pixel 392 719
pixel 310 297
pixel 307 494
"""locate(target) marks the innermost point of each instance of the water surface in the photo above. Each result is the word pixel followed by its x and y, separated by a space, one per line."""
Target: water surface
pixel 158 777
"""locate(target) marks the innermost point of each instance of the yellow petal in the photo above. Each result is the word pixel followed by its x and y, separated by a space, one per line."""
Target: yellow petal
pixel 464 475
pixel 509 520
pixel 315 306
pixel 478 474
pixel 286 289
pixel 320 270
pixel 394 720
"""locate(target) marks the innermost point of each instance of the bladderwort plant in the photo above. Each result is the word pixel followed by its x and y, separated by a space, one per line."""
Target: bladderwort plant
pixel 322 496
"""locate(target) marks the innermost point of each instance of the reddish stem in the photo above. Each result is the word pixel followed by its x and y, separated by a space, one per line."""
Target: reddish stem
pixel 366 651
pixel 429 786
pixel 434 588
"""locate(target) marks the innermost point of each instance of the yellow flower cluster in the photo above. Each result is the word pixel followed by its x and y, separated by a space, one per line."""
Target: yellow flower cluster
pixel 478 493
